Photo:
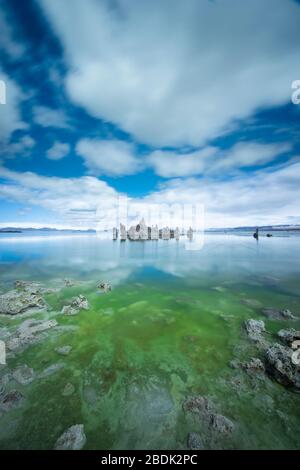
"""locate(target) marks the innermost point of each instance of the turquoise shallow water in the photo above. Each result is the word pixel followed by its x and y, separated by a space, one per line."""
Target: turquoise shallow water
pixel 167 330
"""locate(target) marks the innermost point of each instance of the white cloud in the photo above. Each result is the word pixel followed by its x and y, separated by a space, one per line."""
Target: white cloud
pixel 172 164
pixel 174 73
pixel 49 117
pixel 58 151
pixel 212 160
pixel 109 157
pixel 10 115
pixel 267 197
pixel 7 40
pixel 261 198
pixel 73 201
pixel 21 147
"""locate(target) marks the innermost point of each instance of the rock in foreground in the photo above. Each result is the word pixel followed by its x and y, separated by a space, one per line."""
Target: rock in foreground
pixel 72 439
pixel 194 441
pixel 281 367
pixel 289 336
pixel 77 304
pixel 15 302
pixel 255 329
pixel 104 287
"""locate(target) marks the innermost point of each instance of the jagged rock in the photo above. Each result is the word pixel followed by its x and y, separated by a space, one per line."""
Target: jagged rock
pixel 254 365
pixel 51 370
pixel 194 441
pixel 15 302
pixel 254 329
pixel 11 399
pixel 68 390
pixel 34 288
pixel 104 286
pixel 69 310
pixel 24 375
pixel 198 404
pixel 81 302
pixel 123 233
pixel 222 424
pixel 289 336
pixel 280 366
pixel 72 439
pixel 64 350
pixel 77 304
pixel 29 332
pixel 276 314
pixel 69 283
pixel 205 413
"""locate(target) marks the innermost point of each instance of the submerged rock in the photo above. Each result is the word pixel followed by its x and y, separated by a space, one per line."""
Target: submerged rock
pixel 24 375
pixel 77 304
pixel 15 302
pixel 51 370
pixel 104 286
pixel 222 424
pixel 254 365
pixel 29 332
pixel 289 336
pixel 68 390
pixel 11 399
pixel 64 350
pixel 276 314
pixel 280 365
pixel 194 441
pixel 72 439
pixel 255 329
pixel 198 404
pixel 205 411
pixel 69 283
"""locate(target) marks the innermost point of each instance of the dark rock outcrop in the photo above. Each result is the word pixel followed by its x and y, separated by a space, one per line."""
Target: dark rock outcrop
pixel 280 365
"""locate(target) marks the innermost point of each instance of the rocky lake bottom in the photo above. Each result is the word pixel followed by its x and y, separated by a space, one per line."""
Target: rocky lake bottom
pixel 134 349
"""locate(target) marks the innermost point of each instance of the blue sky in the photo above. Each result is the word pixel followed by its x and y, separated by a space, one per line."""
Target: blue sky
pixel 163 101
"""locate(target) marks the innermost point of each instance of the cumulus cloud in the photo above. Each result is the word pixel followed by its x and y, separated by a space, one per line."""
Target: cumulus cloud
pixel 72 200
pixel 173 72
pixel 212 160
pixel 49 117
pixel 267 197
pixel 58 151
pixel 109 157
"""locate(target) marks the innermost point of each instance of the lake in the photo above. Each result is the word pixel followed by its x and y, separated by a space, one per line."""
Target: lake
pixel 168 330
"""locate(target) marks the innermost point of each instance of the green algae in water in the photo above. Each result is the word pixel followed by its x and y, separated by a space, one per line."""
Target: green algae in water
pixel 141 350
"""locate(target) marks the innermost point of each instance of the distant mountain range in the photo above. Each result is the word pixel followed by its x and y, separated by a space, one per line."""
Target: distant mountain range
pixel 264 228
pixel 44 229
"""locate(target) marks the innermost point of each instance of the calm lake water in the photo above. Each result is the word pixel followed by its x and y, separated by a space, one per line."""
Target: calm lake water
pixel 168 330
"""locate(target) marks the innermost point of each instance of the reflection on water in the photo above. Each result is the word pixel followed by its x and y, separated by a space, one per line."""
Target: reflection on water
pixel 168 330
